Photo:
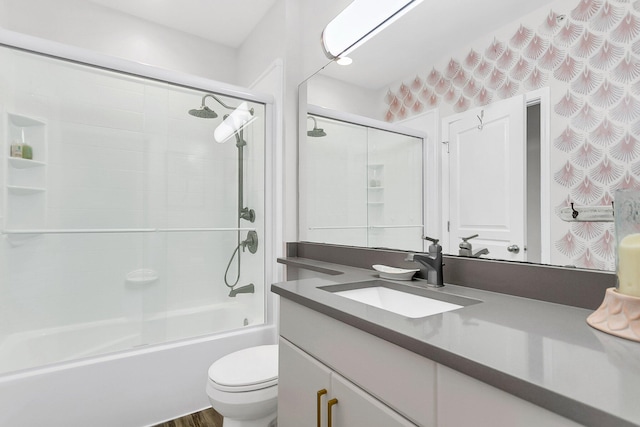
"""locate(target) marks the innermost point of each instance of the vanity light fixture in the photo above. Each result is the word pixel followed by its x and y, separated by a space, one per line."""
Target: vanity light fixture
pixel 360 21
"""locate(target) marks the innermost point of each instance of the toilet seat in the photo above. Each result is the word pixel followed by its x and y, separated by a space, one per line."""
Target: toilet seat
pixel 245 370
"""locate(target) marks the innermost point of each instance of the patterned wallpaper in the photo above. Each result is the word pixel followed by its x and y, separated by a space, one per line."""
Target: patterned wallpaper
pixel 592 54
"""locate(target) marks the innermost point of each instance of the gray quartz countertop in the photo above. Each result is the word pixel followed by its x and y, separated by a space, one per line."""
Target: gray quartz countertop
pixel 539 351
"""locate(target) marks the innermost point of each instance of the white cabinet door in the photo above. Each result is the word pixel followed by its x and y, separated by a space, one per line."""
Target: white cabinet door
pixel 487 173
pixel 356 408
pixel 300 378
pixel 465 401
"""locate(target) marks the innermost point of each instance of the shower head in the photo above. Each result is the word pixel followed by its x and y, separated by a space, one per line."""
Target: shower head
pixel 203 112
pixel 316 132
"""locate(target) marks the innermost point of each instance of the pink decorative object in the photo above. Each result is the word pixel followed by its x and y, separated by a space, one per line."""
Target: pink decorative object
pixel 627 110
pixel 483 69
pixel 568 34
pixel 484 97
pixel 551 58
pixel 506 60
pixel 442 86
pixel 568 105
pixel 586 192
pixel 605 246
pixel 451 95
pixel 434 77
pixel 508 89
pixel 627 149
pixel 606 133
pixel 536 79
pixel 495 80
pixel 521 69
pixel 418 107
pixel 404 90
pixel 587 44
pixel 472 59
pixel 471 89
pixel 628 182
pixel 409 100
pixel 606 172
pixel 587 230
pixel 588 260
pixel 618 315
pixel 425 93
pixel 395 105
pixel 586 155
pixel 627 70
pixel 587 118
pixel 569 245
pixel 416 84
pixel 607 95
pixel 388 98
pixel 568 140
pixel 627 30
pixel 568 175
pixel 522 36
pixel 607 17
pixel 452 68
pixel 568 69
pixel 608 55
pixel 550 24
pixel 434 100
pixel 389 117
pixel 462 104
pixel 461 78
pixel 586 81
pixel 402 114
pixel 494 50
pixel 536 47
pixel 586 9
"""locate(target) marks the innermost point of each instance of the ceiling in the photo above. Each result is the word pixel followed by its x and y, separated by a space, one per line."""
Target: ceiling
pixel 221 21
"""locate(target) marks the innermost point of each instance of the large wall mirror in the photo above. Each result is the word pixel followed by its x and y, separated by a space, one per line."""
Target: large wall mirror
pixel 528 107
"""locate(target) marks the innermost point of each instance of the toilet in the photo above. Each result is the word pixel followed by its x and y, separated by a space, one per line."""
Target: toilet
pixel 243 387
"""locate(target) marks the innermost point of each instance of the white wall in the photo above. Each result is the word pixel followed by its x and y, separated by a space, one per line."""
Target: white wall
pixel 91 26
pixel 340 96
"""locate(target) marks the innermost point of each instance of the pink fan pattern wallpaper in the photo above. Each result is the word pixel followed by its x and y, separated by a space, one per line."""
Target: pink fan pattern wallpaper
pixel 593 54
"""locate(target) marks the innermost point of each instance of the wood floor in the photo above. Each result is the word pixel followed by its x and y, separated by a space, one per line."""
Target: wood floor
pixel 206 418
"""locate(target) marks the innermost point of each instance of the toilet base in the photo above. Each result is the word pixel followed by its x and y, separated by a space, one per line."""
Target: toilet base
pixel 268 421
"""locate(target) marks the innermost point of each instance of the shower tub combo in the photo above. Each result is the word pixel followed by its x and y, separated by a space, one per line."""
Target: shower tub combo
pixel 122 237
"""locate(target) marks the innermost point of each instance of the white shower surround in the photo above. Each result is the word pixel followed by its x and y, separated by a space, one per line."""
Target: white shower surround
pixel 143 386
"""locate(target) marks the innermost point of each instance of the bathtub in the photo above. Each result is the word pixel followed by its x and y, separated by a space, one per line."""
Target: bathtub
pixel 135 387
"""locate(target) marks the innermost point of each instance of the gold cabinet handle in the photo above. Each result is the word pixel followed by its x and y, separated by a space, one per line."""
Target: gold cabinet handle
pixel 320 394
pixel 330 404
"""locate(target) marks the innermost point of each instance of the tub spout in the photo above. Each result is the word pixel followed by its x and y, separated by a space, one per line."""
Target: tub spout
pixel 247 289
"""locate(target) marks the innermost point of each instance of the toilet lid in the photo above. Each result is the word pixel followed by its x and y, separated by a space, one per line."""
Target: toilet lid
pixel 249 369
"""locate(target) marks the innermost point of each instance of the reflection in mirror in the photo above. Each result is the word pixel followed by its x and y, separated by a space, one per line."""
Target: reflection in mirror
pixel 584 52
pixel 363 185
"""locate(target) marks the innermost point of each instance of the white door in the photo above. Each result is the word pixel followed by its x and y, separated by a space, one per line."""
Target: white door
pixel 487 176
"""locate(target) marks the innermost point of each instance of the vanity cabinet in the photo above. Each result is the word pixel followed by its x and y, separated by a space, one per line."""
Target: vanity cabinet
pixel 311 394
pixel 377 383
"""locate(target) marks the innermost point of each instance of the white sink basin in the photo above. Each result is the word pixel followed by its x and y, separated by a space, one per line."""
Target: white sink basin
pixel 404 303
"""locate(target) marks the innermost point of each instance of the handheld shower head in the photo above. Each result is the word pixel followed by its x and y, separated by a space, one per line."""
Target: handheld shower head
pixel 316 132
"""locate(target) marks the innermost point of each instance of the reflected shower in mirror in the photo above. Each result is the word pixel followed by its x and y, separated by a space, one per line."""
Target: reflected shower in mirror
pixel 363 184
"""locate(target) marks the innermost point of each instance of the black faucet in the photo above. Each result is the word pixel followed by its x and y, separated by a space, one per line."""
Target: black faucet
pixel 433 262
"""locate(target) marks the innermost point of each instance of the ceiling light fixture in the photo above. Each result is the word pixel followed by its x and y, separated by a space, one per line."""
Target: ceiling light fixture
pixel 344 60
pixel 360 21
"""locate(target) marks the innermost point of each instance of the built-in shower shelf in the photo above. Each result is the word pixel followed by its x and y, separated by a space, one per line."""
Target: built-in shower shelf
pixel 19 163
pixel 375 188
pixel 142 276
pixel 24 191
